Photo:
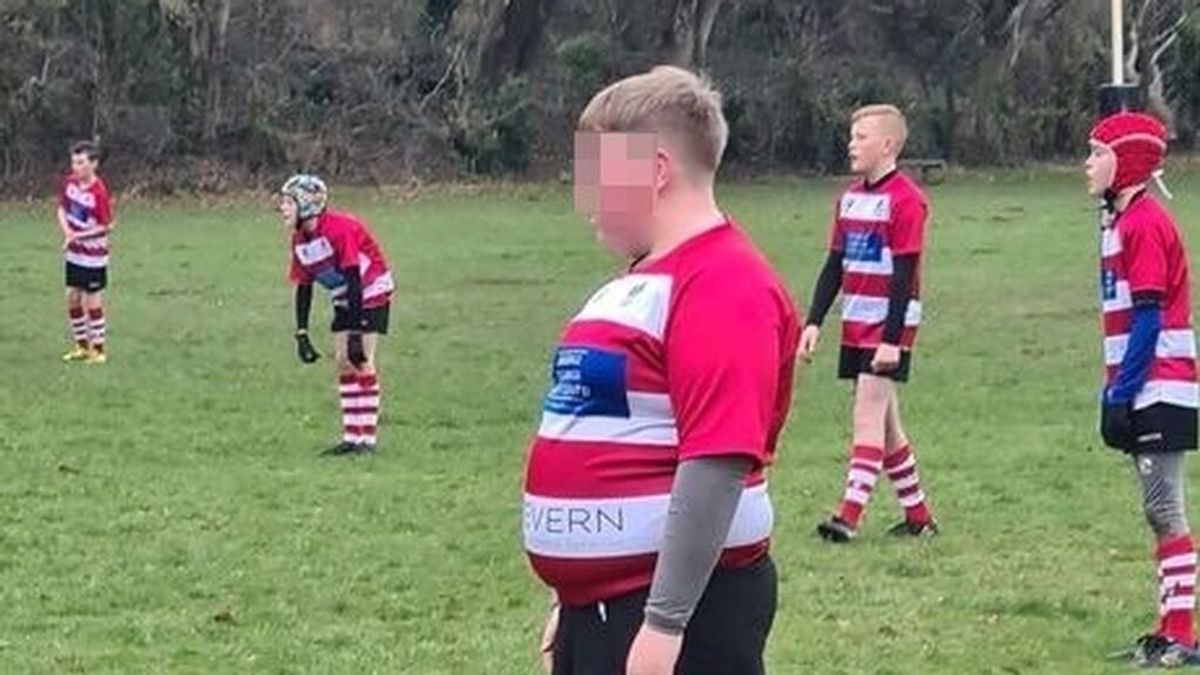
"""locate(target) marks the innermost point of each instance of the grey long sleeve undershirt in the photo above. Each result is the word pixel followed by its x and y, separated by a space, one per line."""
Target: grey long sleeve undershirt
pixel 703 500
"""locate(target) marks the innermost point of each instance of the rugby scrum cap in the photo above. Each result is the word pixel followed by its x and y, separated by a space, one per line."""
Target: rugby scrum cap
pixel 309 192
pixel 1139 142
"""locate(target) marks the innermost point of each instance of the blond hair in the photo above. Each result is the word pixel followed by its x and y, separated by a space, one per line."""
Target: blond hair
pixel 666 100
pixel 895 124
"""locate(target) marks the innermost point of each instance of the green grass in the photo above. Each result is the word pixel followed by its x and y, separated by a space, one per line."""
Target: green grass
pixel 168 513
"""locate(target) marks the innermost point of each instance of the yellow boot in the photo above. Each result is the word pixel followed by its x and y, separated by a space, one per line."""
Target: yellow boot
pixel 77 353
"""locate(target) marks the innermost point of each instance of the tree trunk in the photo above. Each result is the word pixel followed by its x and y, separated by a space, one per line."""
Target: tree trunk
pixel 677 41
pixel 685 26
pixel 438 14
pixel 707 19
pixel 98 19
pixel 948 123
pixel 510 39
pixel 214 26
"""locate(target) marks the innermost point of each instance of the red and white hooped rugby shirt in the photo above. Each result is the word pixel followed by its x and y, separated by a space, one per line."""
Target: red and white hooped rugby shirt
pixel 1142 251
pixel 686 356
pixel 341 240
pixel 86 208
pixel 872 225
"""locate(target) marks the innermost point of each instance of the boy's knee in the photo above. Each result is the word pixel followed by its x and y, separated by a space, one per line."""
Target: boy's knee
pixel 895 441
pixel 1165 518
pixel 873 394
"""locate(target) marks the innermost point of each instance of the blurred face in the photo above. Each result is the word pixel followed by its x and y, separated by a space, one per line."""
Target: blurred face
pixel 617 180
pixel 1100 168
pixel 870 147
pixel 288 211
pixel 83 167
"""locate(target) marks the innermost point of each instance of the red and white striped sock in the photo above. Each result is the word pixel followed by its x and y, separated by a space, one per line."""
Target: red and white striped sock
pixel 370 394
pixel 901 467
pixel 1177 588
pixel 97 328
pixel 865 464
pixel 79 326
pixel 348 390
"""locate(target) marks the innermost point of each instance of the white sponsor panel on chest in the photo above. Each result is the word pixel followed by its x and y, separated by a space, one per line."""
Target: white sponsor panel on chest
pixel 640 301
pixel 80 196
pixel 1110 242
pixel 864 206
pixel 315 251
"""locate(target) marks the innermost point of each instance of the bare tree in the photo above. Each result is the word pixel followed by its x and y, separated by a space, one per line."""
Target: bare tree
pixel 1153 33
pixel 510 38
pixel 688 24
pixel 207 23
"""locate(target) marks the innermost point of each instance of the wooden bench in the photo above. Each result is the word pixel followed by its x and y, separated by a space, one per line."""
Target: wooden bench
pixel 931 171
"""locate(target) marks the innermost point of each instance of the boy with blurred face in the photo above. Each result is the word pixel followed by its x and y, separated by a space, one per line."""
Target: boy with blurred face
pixel 874 262
pixel 85 217
pixel 646 509
pixel 1150 398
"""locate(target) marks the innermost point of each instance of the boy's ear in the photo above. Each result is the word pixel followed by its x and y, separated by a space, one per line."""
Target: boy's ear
pixel 665 168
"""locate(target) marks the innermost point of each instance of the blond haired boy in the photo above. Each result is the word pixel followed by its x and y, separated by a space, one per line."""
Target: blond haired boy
pixel 874 261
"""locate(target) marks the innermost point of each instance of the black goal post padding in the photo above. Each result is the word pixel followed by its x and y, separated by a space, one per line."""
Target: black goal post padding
pixel 1115 98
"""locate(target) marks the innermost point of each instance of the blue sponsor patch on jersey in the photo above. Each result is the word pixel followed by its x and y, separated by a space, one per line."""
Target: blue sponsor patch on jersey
pixel 863 246
pixel 588 382
pixel 330 278
pixel 1108 284
pixel 78 211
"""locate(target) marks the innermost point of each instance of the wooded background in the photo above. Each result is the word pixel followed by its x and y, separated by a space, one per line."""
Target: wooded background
pixel 207 94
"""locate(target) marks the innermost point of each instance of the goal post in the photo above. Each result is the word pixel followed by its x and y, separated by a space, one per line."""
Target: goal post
pixel 1117 96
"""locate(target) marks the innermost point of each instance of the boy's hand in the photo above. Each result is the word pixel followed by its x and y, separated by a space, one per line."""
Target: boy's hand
pixel 70 235
pixel 1116 423
pixel 548 634
pixel 304 348
pixel 808 342
pixel 653 652
pixel 887 358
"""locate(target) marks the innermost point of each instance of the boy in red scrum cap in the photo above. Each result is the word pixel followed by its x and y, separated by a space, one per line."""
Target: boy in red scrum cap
pixel 1151 395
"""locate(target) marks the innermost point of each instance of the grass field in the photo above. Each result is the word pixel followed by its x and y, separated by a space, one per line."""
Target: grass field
pixel 167 513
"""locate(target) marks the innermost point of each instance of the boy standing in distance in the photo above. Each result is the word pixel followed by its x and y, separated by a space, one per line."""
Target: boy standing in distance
pixel 1150 395
pixel 337 251
pixel 875 261
pixel 646 506
pixel 85 217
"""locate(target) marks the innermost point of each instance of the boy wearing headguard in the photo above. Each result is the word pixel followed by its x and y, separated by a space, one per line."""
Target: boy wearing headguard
pixel 1151 395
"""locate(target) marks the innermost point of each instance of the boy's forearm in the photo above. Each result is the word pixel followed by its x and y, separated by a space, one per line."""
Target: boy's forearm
pixel 829 283
pixel 899 294
pixel 1140 348
pixel 703 501
pixel 90 232
pixel 304 296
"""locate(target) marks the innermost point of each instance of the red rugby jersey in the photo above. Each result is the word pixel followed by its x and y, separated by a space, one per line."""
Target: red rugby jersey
pixel 86 208
pixel 686 356
pixel 1143 251
pixel 872 225
pixel 341 240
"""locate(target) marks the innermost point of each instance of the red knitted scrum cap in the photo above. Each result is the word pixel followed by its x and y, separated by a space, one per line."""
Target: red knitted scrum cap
pixel 1138 140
